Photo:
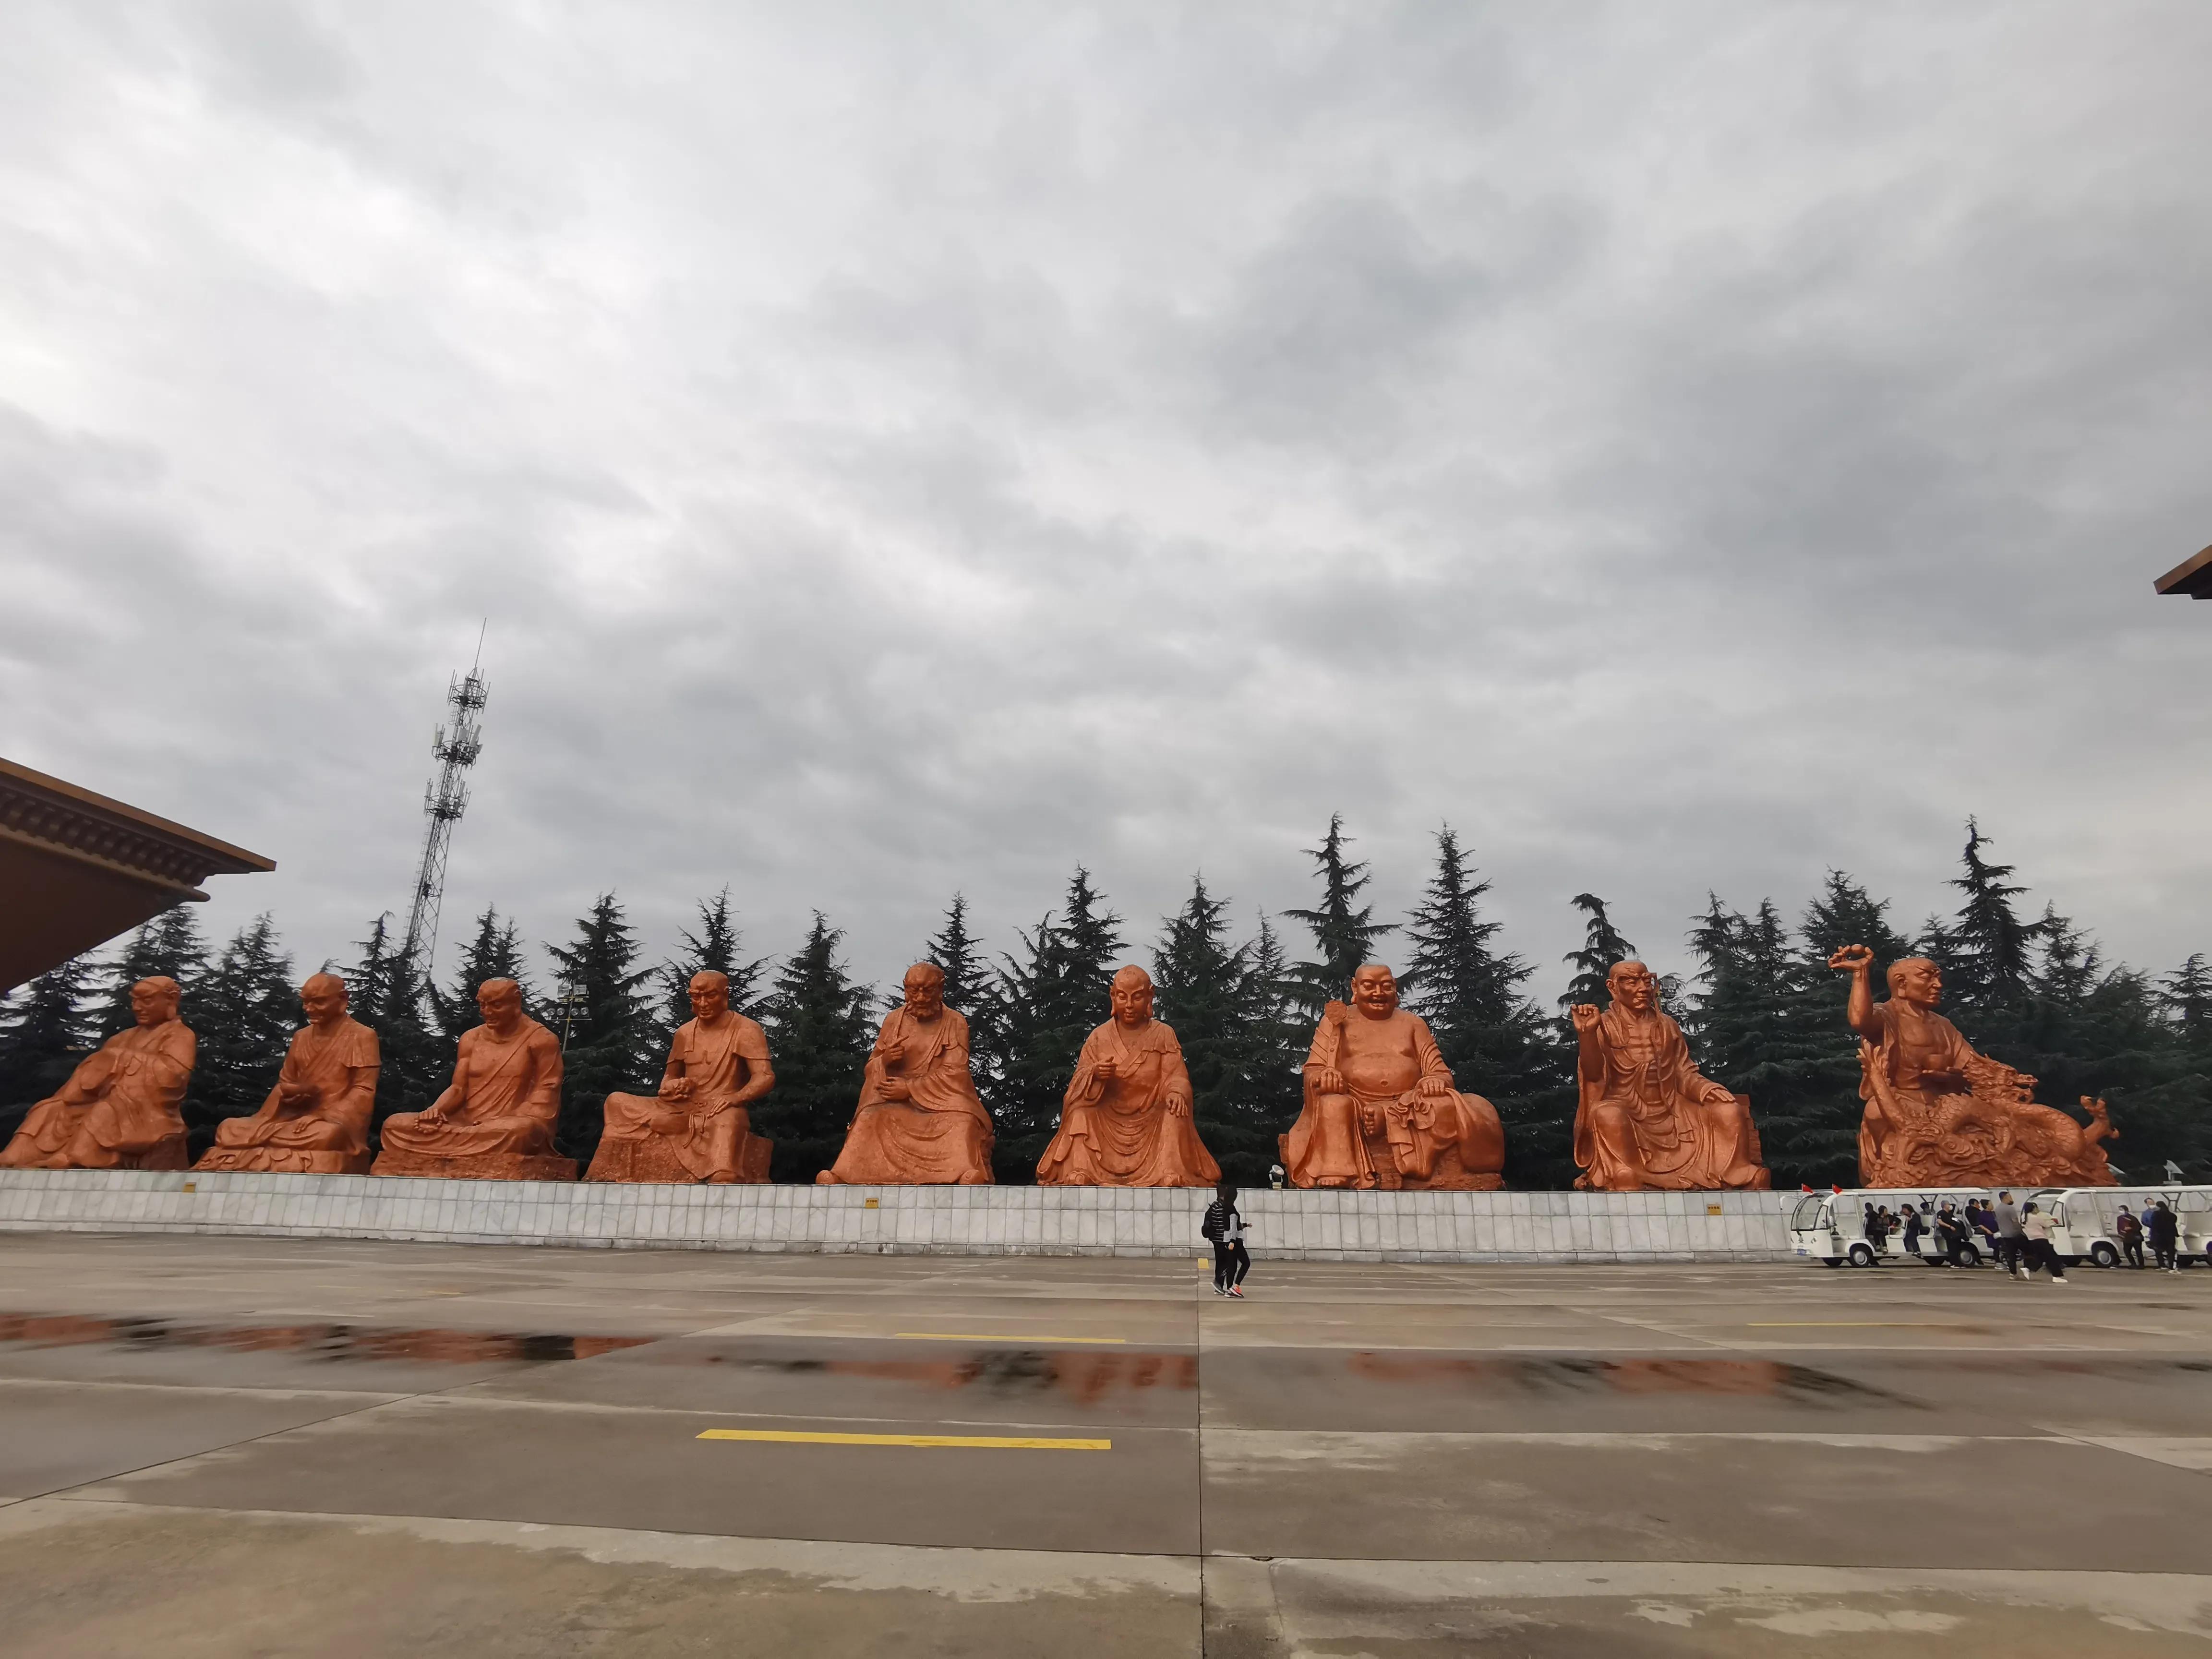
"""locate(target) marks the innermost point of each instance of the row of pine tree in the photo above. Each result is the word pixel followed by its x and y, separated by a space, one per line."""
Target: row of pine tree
pixel 1763 1013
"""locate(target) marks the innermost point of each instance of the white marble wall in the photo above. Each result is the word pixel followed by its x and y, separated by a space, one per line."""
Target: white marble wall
pixel 1323 1226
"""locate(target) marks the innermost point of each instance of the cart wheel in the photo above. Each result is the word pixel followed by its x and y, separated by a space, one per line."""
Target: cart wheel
pixel 1862 1255
pixel 2104 1254
pixel 1831 1261
pixel 1969 1257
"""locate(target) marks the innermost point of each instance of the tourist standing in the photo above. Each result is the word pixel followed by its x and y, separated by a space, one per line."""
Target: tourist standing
pixel 2130 1232
pixel 2010 1238
pixel 2035 1231
pixel 1224 1228
pixel 2165 1230
pixel 1913 1229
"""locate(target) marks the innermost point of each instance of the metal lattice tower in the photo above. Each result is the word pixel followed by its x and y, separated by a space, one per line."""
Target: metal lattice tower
pixel 456 745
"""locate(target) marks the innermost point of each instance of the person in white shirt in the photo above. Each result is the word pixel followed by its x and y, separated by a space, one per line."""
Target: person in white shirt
pixel 2036 1225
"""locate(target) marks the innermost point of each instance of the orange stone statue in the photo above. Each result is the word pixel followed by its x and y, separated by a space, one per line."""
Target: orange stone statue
pixel 920 1123
pixel 495 1122
pixel 1126 1121
pixel 1646 1117
pixel 1380 1109
pixel 1940 1114
pixel 315 1121
pixel 119 1109
pixel 698 1126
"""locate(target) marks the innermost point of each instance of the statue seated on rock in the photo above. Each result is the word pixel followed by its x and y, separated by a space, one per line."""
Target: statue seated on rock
pixel 1380 1110
pixel 315 1121
pixel 1646 1117
pixel 1938 1114
pixel 920 1121
pixel 120 1108
pixel 698 1126
pixel 495 1122
pixel 1125 1120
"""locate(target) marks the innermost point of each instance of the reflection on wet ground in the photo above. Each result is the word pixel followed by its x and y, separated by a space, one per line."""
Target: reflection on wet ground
pixel 1537 1377
pixel 319 1341
pixel 999 1371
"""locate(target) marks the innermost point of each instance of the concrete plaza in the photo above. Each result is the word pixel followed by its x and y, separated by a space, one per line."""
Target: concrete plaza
pixel 223 1446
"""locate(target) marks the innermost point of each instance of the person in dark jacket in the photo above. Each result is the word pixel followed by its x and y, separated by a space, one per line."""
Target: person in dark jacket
pixel 2165 1230
pixel 1224 1228
pixel 1913 1229
pixel 2130 1232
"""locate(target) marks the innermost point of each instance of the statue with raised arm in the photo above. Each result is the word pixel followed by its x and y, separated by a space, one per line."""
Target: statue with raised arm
pixel 1940 1114
pixel 1646 1118
pixel 494 1122
pixel 315 1121
pixel 121 1108
pixel 698 1124
pixel 1380 1110
pixel 920 1121
pixel 1126 1121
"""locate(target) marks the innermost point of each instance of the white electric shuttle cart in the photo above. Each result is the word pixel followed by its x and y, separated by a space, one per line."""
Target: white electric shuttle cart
pixel 1831 1227
pixel 2085 1216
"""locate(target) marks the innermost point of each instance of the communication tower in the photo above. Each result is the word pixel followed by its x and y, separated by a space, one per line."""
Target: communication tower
pixel 456 745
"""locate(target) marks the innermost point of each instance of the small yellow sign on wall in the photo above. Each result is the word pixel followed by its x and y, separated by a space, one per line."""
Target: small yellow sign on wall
pixel 872 1204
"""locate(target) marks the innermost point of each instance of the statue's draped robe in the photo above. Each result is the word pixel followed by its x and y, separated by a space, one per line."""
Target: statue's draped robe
pixel 1329 1145
pixel 717 1059
pixel 504 1098
pixel 127 1094
pixel 1683 1143
pixel 1928 1123
pixel 328 1135
pixel 940 1135
pixel 1119 1131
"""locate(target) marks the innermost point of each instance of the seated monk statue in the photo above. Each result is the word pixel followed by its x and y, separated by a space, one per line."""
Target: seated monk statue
pixel 1126 1121
pixel 495 1122
pixel 119 1109
pixel 920 1121
pixel 315 1121
pixel 1940 1114
pixel 698 1126
pixel 1647 1118
pixel 1380 1109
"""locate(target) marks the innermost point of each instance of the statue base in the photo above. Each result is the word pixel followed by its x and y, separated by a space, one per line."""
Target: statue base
pixel 655 1160
pixel 477 1166
pixel 268 1160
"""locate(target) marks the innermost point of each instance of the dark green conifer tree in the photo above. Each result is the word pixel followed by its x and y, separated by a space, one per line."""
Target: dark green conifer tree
pixel 46 1028
pixel 169 946
pixel 1278 1035
pixel 713 949
pixel 819 1034
pixel 1765 1027
pixel 1047 998
pixel 385 993
pixel 248 1008
pixel 1987 953
pixel 1496 1041
pixel 495 951
pixel 2187 994
pixel 1602 946
pixel 1344 931
pixel 1205 992
pixel 606 1022
pixel 954 949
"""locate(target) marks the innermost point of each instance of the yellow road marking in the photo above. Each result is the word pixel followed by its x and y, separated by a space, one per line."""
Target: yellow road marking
pixel 983 1336
pixel 1002 1442
pixel 1853 1324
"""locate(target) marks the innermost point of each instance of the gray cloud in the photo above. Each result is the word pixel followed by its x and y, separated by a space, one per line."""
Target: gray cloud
pixel 904 452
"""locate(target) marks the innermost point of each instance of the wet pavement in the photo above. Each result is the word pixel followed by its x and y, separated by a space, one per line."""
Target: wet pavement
pixel 217 1446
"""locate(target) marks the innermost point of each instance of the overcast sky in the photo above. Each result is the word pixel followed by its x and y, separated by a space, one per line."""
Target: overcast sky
pixel 904 449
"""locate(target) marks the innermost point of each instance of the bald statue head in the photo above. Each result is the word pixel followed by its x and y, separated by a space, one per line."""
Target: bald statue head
pixel 924 986
pixel 1632 986
pixel 1375 991
pixel 1132 998
pixel 322 1000
pixel 155 1001
pixel 1915 980
pixel 709 990
pixel 500 1002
